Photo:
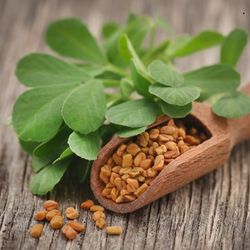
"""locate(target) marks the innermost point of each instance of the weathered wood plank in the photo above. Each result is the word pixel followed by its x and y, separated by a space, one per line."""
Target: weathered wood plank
pixel 210 213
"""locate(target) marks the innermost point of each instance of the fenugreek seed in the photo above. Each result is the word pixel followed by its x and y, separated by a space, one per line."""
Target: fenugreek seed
pixel 151 151
pixel 125 177
pixel 50 204
pixel 106 170
pixel 159 162
pixel 140 178
pixel 154 133
pixel 141 190
pixel 52 213
pixel 104 178
pixel 192 140
pixel 118 183
pixel 132 185
pixel 95 208
pixel 134 173
pixel 114 193
pixel 138 158
pixel 171 145
pixel 121 149
pixel 129 197
pixel 165 138
pixel 56 222
pixel 184 148
pixel 124 171
pixel 120 199
pixel 127 161
pixel 76 225
pixel 161 150
pixel 71 213
pixel 181 143
pixel 181 132
pixel 133 149
pixel 87 204
pixel 114 230
pixel 145 164
pixel 97 215
pixel 124 192
pixel 172 154
pixel 110 162
pixel 116 169
pixel 117 159
pixel 69 232
pixel 145 150
pixel 100 223
pixel 40 215
pixel 36 230
pixel 106 191
pixel 152 172
pixel 143 139
pixel 168 130
pixel 109 185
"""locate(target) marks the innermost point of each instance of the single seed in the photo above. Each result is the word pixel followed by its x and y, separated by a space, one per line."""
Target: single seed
pixel 50 204
pixel 181 132
pixel 40 215
pixel 113 177
pixel 192 140
pixel 95 208
pixel 114 193
pixel 127 161
pixel 159 162
pixel 154 133
pixel 106 191
pixel 168 130
pixel 165 138
pixel 118 183
pixel 132 185
pixel 133 149
pixel 76 225
pixel 145 164
pixel 97 215
pixel 100 223
pixel 143 139
pixel 106 170
pixel 141 190
pixel 72 213
pixel 152 172
pixel 139 157
pixel 69 232
pixel 56 222
pixel 124 192
pixel 117 159
pixel 104 178
pixel 171 145
pixel 161 150
pixel 116 169
pixel 121 149
pixel 114 230
pixel 87 204
pixel 129 197
pixel 120 199
pixel 36 230
pixel 52 213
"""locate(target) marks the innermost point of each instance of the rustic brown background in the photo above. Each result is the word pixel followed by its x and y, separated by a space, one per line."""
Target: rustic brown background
pixel 210 213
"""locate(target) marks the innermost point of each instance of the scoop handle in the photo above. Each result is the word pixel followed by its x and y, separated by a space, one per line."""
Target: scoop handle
pixel 240 127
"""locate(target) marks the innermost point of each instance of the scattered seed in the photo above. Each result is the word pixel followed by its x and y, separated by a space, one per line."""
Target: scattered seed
pixel 36 230
pixel 87 204
pixel 114 230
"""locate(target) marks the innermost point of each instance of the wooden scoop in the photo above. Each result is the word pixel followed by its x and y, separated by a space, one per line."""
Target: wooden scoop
pixel 189 166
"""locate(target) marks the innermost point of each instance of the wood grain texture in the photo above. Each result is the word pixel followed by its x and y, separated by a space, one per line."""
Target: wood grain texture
pixel 210 213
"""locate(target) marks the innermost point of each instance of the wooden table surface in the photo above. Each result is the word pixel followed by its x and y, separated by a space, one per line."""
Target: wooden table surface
pixel 210 213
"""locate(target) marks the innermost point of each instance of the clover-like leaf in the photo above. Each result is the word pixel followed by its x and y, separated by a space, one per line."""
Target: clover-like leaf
pixel 174 111
pixel 128 132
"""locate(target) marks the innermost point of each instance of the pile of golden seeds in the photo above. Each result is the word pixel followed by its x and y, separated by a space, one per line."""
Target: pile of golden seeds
pixel 134 165
pixel 72 227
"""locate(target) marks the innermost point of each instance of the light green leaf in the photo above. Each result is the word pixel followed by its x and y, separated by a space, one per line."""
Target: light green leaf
pixel 178 43
pixel 179 96
pixel 233 46
pixel 47 178
pixel 39 70
pixel 38 163
pixel 128 132
pixel 165 74
pixel 232 106
pixel 37 113
pixel 174 111
pixel 85 146
pixel 84 109
pixel 70 37
pixel 65 154
pixel 134 114
pixel 109 29
pixel 203 40
pixel 213 79
pixel 126 88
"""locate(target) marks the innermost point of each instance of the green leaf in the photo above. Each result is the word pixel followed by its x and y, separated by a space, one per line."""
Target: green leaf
pixel 83 170
pixel 134 114
pixel 179 96
pixel 174 111
pixel 85 146
pixel 165 74
pixel 37 113
pixel 233 47
pixel 47 178
pixel 84 109
pixel 65 154
pixel 126 88
pixel 70 37
pixel 109 29
pixel 232 106
pixel 178 43
pixel 213 79
pixel 128 132
pixel 39 70
pixel 28 146
pixel 203 40
pixel 38 163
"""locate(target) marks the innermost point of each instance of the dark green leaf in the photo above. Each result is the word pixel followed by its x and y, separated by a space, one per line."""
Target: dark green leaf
pixel 213 79
pixel 128 132
pixel 232 106
pixel 38 70
pixel 28 146
pixel 233 47
pixel 65 154
pixel 85 146
pixel 109 29
pixel 134 114
pixel 165 74
pixel 47 178
pixel 174 111
pixel 84 109
pixel 37 113
pixel 179 96
pixel 203 40
pixel 70 37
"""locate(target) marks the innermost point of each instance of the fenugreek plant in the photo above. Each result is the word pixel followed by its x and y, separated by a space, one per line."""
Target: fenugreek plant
pixel 69 111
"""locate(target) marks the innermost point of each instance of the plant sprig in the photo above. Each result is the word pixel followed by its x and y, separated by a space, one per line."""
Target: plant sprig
pixel 69 112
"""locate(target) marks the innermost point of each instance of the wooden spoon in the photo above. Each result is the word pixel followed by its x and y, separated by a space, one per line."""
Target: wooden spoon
pixel 191 165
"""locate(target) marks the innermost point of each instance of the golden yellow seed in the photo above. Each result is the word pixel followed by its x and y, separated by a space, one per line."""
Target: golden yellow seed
pixel 121 149
pixel 161 150
pixel 114 193
pixel 192 140
pixel 168 130
pixel 127 161
pixel 114 230
pixel 106 170
pixel 124 192
pixel 120 199
pixel 129 197
pixel 152 172
pixel 104 178
pixel 172 154
pixel 143 139
pixel 145 164
pixel 100 223
pixel 138 158
pixel 171 145
pixel 117 159
pixel 145 150
pixel 72 213
pixel 109 185
pixel 87 204
pixel 181 132
pixel 184 148
pixel 132 185
pixel 76 225
pixel 56 222
pixel 141 190
pixel 36 230
pixel 95 208
pixel 110 162
pixel 118 183
pixel 97 215
pixel 165 138
pixel 40 215
pixel 140 178
pixel 112 178
pixel 50 204
pixel 106 192
pixel 154 133
pixel 52 213
pixel 69 232
pixel 116 169
pixel 133 149
pixel 125 177
pixel 158 162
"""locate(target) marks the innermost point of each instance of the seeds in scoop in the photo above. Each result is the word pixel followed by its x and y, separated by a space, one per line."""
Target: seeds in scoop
pixel 36 230
pixel 133 149
pixel 114 230
pixel 159 162
pixel 56 222
pixel 52 213
pixel 139 157
pixel 168 130
pixel 87 204
pixel 50 204
pixel 95 208
pixel 117 159
pixel 71 213
pixel 154 133
pixel 144 139
pixel 121 149
pixel 132 185
pixel 69 232
pixel 127 161
pixel 145 164
pixel 76 225
pixel 40 215
pixel 141 190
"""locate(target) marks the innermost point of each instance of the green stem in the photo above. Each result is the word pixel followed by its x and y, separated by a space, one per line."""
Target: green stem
pixel 114 69
pixel 109 83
